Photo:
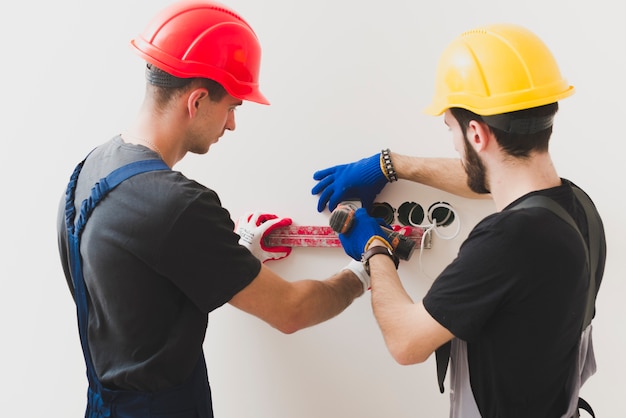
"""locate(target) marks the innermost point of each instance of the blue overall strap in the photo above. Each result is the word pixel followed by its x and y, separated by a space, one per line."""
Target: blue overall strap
pixel 101 188
pixel 74 231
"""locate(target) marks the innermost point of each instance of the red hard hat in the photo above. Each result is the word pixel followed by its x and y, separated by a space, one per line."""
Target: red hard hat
pixel 195 38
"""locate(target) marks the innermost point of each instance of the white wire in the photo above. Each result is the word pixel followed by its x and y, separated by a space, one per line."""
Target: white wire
pixel 429 228
pixel 451 212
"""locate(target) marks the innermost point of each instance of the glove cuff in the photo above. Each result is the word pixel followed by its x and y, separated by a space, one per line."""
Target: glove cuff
pixel 373 172
pixel 358 269
pixel 369 242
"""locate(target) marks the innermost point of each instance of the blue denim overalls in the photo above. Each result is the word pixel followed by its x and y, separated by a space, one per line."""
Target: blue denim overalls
pixel 192 399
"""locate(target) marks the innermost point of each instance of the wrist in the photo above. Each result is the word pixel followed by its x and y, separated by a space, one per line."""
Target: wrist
pixel 378 250
pixel 387 167
pixel 372 171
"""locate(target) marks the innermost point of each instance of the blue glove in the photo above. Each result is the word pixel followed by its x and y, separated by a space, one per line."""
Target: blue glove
pixel 363 229
pixel 361 180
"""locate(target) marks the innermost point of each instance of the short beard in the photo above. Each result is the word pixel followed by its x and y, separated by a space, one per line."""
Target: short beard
pixel 475 170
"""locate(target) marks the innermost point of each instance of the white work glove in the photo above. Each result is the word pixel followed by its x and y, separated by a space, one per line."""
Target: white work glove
pixel 254 227
pixel 357 268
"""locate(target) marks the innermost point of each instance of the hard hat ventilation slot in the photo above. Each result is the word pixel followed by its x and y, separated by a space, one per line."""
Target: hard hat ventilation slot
pixel 160 78
pixel 525 126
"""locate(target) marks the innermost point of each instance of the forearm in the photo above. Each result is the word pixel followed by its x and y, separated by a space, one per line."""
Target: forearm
pixel 392 308
pixel 445 174
pixel 316 301
pixel 291 306
pixel 410 333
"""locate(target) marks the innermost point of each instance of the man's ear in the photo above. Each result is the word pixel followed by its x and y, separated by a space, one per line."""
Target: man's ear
pixel 478 135
pixel 195 99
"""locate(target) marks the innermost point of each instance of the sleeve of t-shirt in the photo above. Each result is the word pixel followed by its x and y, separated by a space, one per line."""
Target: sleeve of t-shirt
pixel 202 255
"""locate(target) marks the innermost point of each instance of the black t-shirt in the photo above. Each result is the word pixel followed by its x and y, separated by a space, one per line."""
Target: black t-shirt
pixel 516 294
pixel 159 253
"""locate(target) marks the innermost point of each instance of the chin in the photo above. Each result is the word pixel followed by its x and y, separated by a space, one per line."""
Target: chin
pixel 199 151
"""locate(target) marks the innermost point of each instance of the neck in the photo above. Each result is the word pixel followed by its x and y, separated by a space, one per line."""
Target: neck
pixel 162 130
pixel 514 179
pixel 134 139
pixel 151 133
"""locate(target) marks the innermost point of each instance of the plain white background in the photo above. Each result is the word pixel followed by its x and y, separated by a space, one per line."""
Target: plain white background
pixel 345 79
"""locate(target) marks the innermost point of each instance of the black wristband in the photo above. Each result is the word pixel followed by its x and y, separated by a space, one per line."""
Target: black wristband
pixel 379 249
pixel 388 168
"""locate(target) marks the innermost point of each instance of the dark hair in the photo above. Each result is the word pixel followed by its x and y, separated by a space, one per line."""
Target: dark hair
pixel 518 133
pixel 166 86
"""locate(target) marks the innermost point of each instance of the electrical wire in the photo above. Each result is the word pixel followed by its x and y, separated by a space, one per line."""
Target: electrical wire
pixel 434 227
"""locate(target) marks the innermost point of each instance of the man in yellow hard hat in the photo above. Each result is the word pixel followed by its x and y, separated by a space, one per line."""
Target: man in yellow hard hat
pixel 513 308
pixel 149 253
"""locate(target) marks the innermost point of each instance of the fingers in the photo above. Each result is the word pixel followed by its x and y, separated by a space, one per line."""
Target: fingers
pixel 403 230
pixel 320 174
pixel 264 217
pixel 261 222
pixel 246 219
pixel 275 222
pixel 277 253
pixel 367 200
pixel 324 189
pixel 322 184
pixel 334 201
pixel 266 222
pixel 324 198
pixel 270 225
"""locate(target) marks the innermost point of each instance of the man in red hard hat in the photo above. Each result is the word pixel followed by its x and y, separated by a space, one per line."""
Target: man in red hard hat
pixel 512 311
pixel 148 253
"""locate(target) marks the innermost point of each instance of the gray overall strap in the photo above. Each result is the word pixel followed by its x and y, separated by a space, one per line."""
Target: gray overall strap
pixel 547 203
pixel 593 252
pixel 442 354
pixel 594 231
pixel 442 357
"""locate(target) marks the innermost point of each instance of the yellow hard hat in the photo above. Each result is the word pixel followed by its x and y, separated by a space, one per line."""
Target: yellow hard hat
pixel 497 69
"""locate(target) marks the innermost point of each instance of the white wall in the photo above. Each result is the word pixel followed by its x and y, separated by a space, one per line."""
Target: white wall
pixel 345 79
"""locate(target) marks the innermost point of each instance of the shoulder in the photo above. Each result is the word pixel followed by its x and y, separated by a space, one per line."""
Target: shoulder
pixel 556 207
pixel 514 233
pixel 170 195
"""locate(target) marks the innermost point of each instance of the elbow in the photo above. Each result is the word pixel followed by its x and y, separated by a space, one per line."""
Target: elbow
pixel 299 311
pixel 292 321
pixel 287 328
pixel 406 354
